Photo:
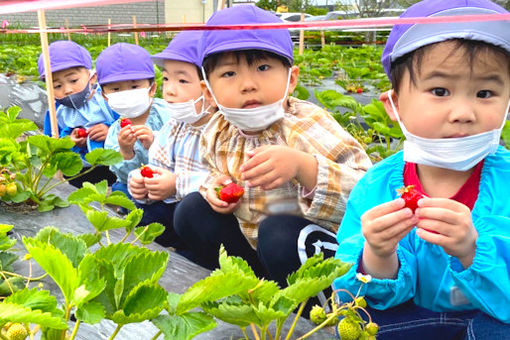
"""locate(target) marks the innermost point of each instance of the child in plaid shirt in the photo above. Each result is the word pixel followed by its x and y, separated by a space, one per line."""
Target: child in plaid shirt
pixel 174 156
pixel 296 164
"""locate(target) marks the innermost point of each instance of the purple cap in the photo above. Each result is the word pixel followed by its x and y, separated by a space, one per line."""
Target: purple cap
pixel 65 54
pixel 123 61
pixel 273 40
pixel 407 38
pixel 183 47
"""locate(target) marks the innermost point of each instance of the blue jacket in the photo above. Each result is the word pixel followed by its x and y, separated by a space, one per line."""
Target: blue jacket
pixel 429 276
pixel 95 111
pixel 159 114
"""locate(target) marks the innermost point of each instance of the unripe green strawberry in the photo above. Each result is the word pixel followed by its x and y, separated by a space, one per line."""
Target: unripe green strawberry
pixel 12 189
pixel 16 332
pixel 3 189
pixel 317 314
pixel 360 301
pixel 348 330
pixel 372 328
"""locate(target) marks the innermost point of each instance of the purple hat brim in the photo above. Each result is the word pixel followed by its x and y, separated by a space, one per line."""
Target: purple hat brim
pixel 159 58
pixel 64 66
pixel 246 45
pixel 125 77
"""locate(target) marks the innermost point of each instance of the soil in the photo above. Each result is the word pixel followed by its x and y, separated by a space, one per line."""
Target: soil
pixel 22 207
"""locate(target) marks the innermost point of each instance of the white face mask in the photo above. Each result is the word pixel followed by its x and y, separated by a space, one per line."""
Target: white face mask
pixel 186 111
pixel 130 103
pixel 458 154
pixel 254 119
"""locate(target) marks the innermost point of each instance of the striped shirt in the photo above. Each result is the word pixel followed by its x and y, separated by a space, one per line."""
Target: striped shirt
pixel 177 149
pixel 341 160
pixel 159 114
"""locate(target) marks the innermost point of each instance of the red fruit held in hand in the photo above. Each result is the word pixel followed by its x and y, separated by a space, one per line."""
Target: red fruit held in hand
pixel 125 122
pixel 82 133
pixel 230 193
pixel 146 171
pixel 411 196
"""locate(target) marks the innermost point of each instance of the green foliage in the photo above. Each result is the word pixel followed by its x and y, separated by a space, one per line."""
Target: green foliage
pixel 235 295
pixel 31 163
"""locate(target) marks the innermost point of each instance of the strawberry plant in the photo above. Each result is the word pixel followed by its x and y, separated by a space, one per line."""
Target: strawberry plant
pixel 118 281
pixel 235 295
pixel 32 162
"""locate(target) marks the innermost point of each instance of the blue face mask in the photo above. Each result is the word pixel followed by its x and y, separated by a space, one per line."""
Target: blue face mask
pixel 76 100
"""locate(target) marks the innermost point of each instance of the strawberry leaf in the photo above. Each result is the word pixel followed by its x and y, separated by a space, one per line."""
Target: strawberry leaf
pixel 144 266
pixel 216 286
pixel 102 222
pixel 101 156
pixel 35 300
pixel 185 326
pixel 72 247
pixel 120 200
pixel 17 313
pixel 144 302
pixel 91 312
pixel 58 266
pixel 239 314
pixel 148 233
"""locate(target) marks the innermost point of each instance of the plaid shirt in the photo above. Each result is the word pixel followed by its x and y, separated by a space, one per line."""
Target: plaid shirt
pixel 308 128
pixel 176 149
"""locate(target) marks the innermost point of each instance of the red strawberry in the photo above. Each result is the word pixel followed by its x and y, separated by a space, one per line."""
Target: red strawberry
pixel 146 171
pixel 82 133
pixel 230 193
pixel 125 122
pixel 359 90
pixel 411 196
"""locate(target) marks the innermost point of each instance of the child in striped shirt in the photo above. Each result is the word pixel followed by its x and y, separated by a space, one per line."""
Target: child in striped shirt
pixel 174 155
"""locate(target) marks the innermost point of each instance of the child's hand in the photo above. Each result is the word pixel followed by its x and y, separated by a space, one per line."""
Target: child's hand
pixel 216 204
pixel 144 134
pixel 137 186
pixel 270 166
pixel 161 185
pixel 126 139
pixel 383 227
pixel 448 224
pixel 98 132
pixel 79 141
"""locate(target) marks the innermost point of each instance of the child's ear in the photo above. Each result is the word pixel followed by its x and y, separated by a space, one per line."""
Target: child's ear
pixel 152 91
pixel 93 79
pixel 384 98
pixel 294 75
pixel 207 94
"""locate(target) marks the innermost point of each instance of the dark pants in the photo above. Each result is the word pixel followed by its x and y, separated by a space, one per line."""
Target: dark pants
pixel 99 173
pixel 408 321
pixel 163 213
pixel 284 241
pixel 204 230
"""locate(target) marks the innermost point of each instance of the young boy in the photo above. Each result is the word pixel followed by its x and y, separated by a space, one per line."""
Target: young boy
pixel 80 103
pixel 174 154
pixel 126 75
pixel 296 164
pixel 442 271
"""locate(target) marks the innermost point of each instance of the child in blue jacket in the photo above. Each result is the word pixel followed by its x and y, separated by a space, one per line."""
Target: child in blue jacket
pixel 442 271
pixel 80 103
pixel 126 75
